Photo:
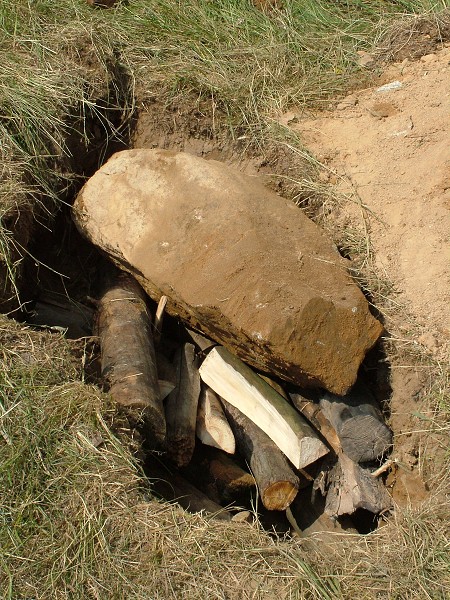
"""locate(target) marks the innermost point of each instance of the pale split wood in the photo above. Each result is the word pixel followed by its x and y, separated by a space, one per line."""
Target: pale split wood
pixel 234 381
pixel 213 428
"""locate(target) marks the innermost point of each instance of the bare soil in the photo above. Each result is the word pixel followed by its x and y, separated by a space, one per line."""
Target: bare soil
pixel 389 150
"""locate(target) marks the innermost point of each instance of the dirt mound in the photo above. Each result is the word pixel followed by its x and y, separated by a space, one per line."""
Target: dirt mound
pixel 387 147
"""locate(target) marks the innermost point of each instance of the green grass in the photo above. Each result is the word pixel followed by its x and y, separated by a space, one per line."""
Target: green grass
pixel 248 66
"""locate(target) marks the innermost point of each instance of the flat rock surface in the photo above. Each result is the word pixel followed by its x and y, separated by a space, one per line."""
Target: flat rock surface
pixel 235 260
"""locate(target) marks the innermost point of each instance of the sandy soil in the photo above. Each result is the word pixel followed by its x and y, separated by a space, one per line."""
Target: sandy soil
pixel 390 150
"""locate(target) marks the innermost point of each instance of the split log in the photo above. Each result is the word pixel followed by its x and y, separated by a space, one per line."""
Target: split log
pixel 276 481
pixel 359 424
pixel 174 488
pixel 218 476
pixel 213 428
pixel 127 353
pixel 234 381
pixel 181 407
pixel 351 487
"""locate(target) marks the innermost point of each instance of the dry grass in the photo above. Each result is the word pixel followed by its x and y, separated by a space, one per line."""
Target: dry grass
pixel 77 519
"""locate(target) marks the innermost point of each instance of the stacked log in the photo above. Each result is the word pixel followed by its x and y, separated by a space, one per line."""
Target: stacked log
pixel 218 400
pixel 195 235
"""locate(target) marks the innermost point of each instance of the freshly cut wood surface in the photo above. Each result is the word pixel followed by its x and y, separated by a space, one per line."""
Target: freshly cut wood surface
pixel 234 381
pixel 213 428
pixel 127 353
pixel 181 407
pixel 276 481
pixel 359 424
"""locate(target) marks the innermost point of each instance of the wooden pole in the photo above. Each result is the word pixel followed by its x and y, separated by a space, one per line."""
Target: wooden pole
pixel 127 353
pixel 181 407
pixel 276 481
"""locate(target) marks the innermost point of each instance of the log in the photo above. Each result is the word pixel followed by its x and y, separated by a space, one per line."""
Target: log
pixel 175 488
pixel 213 428
pixel 128 360
pixel 234 381
pixel 351 488
pixel 359 424
pixel 181 407
pixel 348 483
pixel 276 481
pixel 312 411
pixel 218 476
pixel 276 386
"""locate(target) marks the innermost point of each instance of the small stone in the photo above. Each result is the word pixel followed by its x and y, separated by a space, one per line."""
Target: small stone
pixel 390 87
pixel 427 58
pixel 244 516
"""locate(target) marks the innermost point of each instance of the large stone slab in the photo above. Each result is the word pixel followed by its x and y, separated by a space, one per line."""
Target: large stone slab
pixel 237 261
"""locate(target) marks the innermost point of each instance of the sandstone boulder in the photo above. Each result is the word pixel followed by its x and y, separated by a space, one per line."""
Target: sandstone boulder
pixel 235 260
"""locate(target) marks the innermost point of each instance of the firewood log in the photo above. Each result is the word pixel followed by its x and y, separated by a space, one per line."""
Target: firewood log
pixel 349 485
pixel 127 354
pixel 181 407
pixel 362 432
pixel 234 381
pixel 213 428
pixel 276 481
pixel 219 476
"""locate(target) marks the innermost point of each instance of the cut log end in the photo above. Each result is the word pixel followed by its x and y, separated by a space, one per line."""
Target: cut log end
pixel 279 495
pixel 365 438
